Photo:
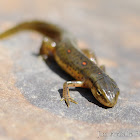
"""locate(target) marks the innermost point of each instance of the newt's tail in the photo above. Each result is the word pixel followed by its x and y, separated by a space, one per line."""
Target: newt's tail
pixel 44 28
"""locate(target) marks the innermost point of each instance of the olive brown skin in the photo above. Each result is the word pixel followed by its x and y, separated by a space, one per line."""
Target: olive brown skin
pixel 106 91
pixel 80 64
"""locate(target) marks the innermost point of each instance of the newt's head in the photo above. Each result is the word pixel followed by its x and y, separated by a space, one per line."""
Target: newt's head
pixel 106 91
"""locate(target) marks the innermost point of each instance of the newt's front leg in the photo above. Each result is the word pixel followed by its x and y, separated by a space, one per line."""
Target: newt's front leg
pixel 66 95
pixel 92 57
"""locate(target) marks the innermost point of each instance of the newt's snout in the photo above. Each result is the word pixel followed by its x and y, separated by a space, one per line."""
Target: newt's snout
pixel 106 91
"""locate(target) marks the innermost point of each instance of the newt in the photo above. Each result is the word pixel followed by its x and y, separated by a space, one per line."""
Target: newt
pixel 80 64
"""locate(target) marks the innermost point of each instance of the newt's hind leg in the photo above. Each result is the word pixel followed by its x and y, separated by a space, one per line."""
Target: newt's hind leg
pixel 66 95
pixel 47 47
pixel 90 55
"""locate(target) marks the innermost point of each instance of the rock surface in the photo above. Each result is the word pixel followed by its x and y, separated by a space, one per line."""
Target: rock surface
pixel 31 89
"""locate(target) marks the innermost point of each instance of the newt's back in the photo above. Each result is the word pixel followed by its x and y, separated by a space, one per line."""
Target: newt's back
pixel 76 60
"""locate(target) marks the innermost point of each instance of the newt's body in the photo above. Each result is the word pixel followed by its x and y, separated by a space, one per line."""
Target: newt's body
pixel 80 64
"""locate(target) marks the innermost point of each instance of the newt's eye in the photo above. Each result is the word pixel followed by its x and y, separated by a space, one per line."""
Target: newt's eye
pixel 99 93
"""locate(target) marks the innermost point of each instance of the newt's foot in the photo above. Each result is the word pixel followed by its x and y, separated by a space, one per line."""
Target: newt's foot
pixel 68 100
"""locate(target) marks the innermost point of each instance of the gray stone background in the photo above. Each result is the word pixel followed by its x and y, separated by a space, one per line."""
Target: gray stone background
pixel 31 89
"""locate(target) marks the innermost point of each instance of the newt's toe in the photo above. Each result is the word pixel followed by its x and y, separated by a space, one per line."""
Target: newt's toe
pixel 68 100
pixel 71 100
